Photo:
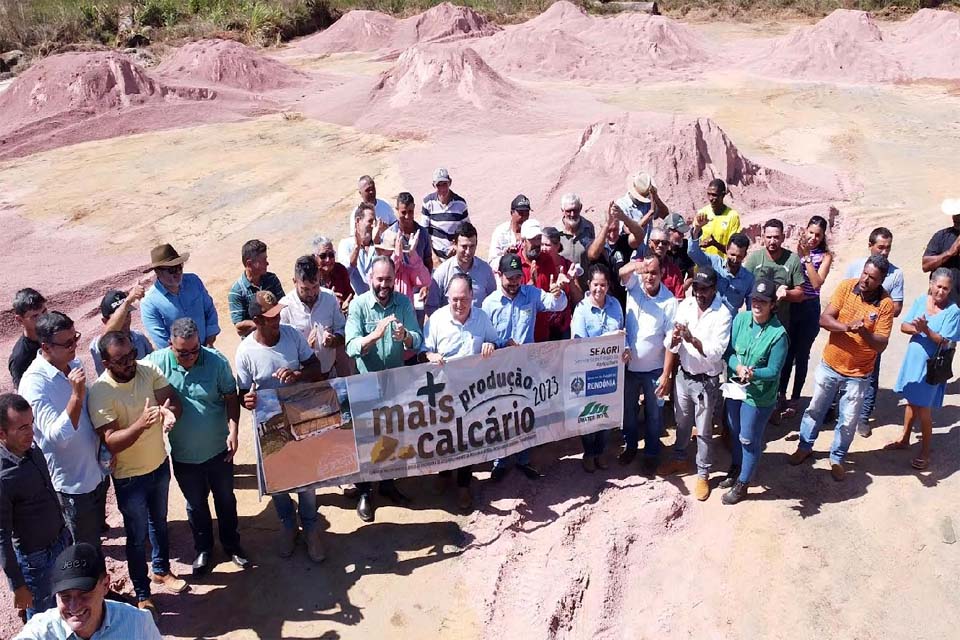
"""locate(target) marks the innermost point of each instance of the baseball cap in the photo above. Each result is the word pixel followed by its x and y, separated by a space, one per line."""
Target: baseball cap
pixel 79 566
pixel 764 289
pixel 705 277
pixel 530 229
pixel 520 203
pixel 638 186
pixel 440 175
pixel 264 304
pixel 111 302
pixel 676 221
pixel 510 265
pixel 951 206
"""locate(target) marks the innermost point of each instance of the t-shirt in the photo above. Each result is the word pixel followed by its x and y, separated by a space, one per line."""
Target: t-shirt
pixel 24 351
pixel 892 284
pixel 257 362
pixel 785 270
pixel 442 221
pixel 110 400
pixel 940 243
pixel 719 227
pixel 848 353
pixel 140 343
pixel 614 257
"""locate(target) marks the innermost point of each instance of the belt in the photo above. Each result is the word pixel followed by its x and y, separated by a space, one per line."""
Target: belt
pixel 698 377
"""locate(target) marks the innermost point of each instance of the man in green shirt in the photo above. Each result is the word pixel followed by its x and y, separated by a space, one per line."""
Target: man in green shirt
pixel 780 265
pixel 381 325
pixel 204 439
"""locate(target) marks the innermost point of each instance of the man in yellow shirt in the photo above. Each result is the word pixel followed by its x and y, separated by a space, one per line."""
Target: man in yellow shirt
pixel 717 221
pixel 131 405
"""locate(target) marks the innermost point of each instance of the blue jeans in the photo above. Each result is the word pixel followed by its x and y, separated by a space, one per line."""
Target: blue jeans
pixel 594 443
pixel 142 501
pixel 633 383
pixel 306 505
pixel 36 568
pixel 870 398
pixel 827 383
pixel 803 330
pixel 747 424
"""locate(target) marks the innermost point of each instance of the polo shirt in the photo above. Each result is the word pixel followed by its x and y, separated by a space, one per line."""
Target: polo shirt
pixel 719 227
pixel 785 270
pixel 648 320
pixel 365 313
pixel 201 430
pixel 325 313
pixel 892 284
pixel 590 321
pixel 243 291
pixel 442 221
pixel 358 273
pixel 514 318
pixel 382 210
pixel 503 240
pixel 140 343
pixel 110 400
pixel 256 362
pixel 444 335
pixel 848 353
pixel 712 328
pixel 732 289
pixel 72 454
pixel 159 309
pixel 121 621
pixel 30 518
pixel 941 242
pixel 23 353
pixel 481 275
pixel 574 247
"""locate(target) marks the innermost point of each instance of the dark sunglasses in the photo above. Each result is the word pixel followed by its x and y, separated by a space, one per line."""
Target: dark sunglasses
pixel 186 353
pixel 127 358
pixel 327 255
pixel 69 344
pixel 171 270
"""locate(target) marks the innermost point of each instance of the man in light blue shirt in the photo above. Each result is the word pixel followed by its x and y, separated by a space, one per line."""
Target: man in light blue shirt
pixel 81 583
pixel 464 262
pixel 174 295
pixel 734 283
pixel 55 387
pixel 513 311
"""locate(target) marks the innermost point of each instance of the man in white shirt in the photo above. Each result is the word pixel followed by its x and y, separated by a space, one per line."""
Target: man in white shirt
pixel 699 339
pixel 506 237
pixel 648 322
pixel 315 313
pixel 459 330
pixel 367 189
pixel 357 252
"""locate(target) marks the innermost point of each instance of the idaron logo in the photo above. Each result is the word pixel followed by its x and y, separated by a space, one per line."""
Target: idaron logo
pixel 593 411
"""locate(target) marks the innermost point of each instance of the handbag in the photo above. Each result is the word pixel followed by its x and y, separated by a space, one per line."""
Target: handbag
pixel 940 366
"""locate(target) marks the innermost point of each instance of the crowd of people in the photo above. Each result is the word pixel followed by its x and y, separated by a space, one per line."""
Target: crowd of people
pixel 714 333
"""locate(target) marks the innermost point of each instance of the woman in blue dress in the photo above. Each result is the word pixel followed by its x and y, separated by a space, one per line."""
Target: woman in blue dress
pixel 598 314
pixel 932 320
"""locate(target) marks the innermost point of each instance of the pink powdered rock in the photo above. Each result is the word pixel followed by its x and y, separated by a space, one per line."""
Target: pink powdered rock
pixel 445 23
pixel 229 63
pixel 358 30
pixel 929 44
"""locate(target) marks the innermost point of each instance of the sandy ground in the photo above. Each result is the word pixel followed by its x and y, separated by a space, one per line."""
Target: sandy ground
pixel 574 556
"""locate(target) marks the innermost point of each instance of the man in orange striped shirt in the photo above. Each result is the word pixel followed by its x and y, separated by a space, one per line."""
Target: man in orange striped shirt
pixel 859 319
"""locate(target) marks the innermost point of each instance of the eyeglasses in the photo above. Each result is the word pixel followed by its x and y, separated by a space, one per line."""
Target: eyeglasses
pixel 127 358
pixel 659 242
pixel 69 344
pixel 186 353
pixel 171 270
pixel 327 255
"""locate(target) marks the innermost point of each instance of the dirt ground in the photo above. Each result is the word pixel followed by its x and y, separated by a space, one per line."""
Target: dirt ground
pixel 609 555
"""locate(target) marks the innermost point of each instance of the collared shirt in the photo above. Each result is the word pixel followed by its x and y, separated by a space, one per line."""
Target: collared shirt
pixel 892 284
pixel 712 328
pixel 481 275
pixel 443 220
pixel 590 321
pixel 732 289
pixel 573 246
pixel 358 273
pixel 848 353
pixel 453 340
pixel 72 454
pixel 324 313
pixel 123 402
pixel 30 518
pixel 648 321
pixel 257 362
pixel 121 621
pixel 635 211
pixel 140 342
pixel 23 353
pixel 719 227
pixel 243 291
pixel 382 210
pixel 514 319
pixel 365 313
pixel 503 240
pixel 160 309
pixel 940 243
pixel 201 430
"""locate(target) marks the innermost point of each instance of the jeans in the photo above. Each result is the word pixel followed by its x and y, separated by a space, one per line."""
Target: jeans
pixel 84 513
pixel 197 482
pixel 306 507
pixel 747 424
pixel 870 397
pixel 633 383
pixel 142 501
pixel 694 401
pixel 827 383
pixel 594 443
pixel 36 568
pixel 803 330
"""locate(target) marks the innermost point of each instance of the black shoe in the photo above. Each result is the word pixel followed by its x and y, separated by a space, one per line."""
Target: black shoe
pixel 202 564
pixel 648 466
pixel 239 558
pixel 737 493
pixel 731 478
pixel 499 473
pixel 351 492
pixel 365 508
pixel 530 471
pixel 627 456
pixel 389 491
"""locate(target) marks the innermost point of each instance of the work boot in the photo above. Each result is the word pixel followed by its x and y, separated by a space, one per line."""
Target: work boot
pixel 838 472
pixel 731 478
pixel 169 582
pixel 799 456
pixel 701 490
pixel 148 605
pixel 737 493
pixel 287 542
pixel 589 464
pixel 672 466
pixel 314 546
pixel 627 456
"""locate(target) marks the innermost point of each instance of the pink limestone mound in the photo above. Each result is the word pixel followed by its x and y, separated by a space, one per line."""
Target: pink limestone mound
pixel 227 63
pixel 929 43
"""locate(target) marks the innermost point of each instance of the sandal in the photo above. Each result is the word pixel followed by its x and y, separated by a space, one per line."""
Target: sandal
pixel 790 410
pixel 896 445
pixel 920 463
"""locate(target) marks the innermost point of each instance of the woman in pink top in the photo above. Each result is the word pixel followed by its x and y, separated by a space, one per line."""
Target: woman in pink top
pixel 413 277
